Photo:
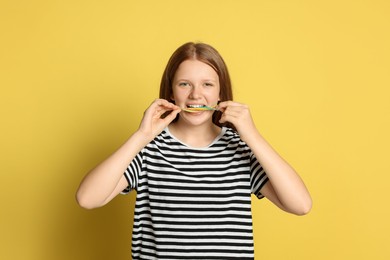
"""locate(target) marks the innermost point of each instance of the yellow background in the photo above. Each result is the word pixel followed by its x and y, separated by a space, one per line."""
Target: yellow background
pixel 76 77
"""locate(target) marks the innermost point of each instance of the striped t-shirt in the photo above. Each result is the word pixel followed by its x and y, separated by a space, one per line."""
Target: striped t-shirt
pixel 194 203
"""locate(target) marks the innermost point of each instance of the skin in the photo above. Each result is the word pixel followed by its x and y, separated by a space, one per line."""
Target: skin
pixel 196 83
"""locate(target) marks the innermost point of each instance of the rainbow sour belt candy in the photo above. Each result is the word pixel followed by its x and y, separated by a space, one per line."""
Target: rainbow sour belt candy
pixel 199 108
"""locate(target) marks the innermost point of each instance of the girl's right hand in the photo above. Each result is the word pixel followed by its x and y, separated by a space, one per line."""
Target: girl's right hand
pixel 152 122
pixel 106 180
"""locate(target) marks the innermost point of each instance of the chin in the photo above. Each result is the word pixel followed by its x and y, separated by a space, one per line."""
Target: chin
pixel 197 120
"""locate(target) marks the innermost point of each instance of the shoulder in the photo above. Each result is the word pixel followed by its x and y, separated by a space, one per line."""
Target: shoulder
pixel 232 136
pixel 163 141
pixel 232 140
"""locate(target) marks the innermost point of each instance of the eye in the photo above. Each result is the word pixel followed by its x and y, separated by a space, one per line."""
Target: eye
pixel 208 84
pixel 184 84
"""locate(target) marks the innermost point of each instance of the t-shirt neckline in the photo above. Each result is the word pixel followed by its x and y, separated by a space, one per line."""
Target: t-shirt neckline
pixel 216 139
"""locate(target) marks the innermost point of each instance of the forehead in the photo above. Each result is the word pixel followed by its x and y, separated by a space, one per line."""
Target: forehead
pixel 195 69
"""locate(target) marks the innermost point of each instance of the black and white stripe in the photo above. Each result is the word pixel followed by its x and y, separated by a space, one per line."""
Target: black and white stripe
pixel 194 203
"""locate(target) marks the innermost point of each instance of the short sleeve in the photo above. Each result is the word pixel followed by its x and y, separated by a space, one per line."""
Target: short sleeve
pixel 132 173
pixel 258 176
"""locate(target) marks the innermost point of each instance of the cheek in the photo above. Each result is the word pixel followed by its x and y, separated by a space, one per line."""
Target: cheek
pixel 179 93
pixel 216 94
pixel 219 94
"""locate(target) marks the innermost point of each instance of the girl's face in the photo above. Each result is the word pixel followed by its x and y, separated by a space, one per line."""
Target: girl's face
pixel 195 84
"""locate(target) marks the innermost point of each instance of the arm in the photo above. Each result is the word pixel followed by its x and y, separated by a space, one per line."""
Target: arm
pixel 106 180
pixel 285 188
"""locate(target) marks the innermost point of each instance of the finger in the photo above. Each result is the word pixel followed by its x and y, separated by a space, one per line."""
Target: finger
pixel 229 103
pixel 163 113
pixel 222 106
pixel 233 114
pixel 171 116
pixel 227 118
pixel 168 106
pixel 161 106
pixel 159 112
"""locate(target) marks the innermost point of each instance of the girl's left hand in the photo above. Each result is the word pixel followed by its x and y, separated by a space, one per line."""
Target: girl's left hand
pixel 239 115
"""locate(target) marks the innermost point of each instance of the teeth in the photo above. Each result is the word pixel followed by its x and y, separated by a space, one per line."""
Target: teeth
pixel 195 106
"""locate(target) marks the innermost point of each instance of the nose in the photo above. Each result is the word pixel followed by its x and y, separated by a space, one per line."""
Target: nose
pixel 196 92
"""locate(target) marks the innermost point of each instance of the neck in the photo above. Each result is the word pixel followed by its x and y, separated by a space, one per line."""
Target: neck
pixel 195 136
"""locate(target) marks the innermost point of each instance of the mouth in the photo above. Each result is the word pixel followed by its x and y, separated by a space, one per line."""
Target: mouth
pixel 192 106
pixel 198 108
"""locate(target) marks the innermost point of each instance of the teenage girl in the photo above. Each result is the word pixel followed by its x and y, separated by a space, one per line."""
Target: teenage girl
pixel 194 171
